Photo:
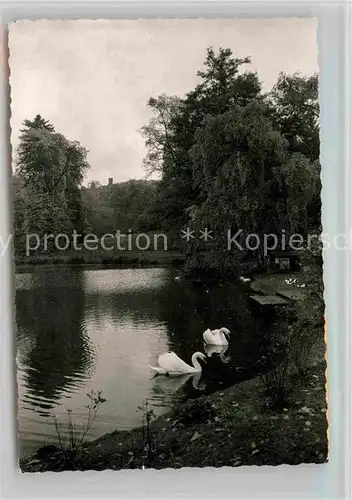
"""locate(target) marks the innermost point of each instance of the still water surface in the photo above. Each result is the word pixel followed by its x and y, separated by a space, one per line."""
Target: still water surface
pixel 80 329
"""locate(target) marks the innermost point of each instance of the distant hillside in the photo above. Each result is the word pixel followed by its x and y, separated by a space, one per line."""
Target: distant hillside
pixel 121 205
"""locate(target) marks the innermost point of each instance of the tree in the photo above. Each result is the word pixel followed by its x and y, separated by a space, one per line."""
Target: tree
pixel 158 133
pixel 235 161
pixel 51 169
pixel 38 123
pixel 295 109
pixel 299 178
pixel 248 179
pixel 47 161
pixel 221 87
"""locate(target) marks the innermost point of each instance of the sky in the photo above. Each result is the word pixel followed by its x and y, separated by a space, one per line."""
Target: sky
pixel 92 79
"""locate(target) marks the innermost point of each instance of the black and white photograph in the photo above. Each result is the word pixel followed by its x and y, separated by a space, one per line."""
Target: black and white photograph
pixel 168 242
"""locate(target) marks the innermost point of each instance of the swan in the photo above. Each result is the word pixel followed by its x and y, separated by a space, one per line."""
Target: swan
pixel 216 337
pixel 245 280
pixel 170 364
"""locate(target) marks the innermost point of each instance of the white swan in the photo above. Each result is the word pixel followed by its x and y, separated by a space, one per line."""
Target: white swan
pixel 291 281
pixel 245 280
pixel 171 364
pixel 216 337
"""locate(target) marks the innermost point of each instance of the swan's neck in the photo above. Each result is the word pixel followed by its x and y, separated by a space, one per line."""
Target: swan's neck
pixel 223 337
pixel 196 363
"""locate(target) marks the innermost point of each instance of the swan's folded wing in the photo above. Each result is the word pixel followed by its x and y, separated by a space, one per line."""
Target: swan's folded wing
pixel 172 363
pixel 207 335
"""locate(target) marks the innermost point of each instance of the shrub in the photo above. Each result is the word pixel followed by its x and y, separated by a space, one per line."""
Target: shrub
pixel 276 384
pixel 71 446
pixel 276 379
pixel 195 410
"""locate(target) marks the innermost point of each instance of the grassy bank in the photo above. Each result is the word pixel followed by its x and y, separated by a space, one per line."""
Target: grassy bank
pixel 233 427
pixel 159 250
pixel 147 257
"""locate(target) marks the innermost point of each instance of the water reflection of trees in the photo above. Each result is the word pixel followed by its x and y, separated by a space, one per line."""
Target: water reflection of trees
pixel 136 306
pixel 49 318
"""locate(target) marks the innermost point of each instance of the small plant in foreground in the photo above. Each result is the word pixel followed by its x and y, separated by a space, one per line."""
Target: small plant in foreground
pixel 147 417
pixel 276 379
pixel 276 384
pixel 71 445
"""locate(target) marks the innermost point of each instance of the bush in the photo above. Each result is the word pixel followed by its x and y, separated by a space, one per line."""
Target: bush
pixel 296 333
pixel 72 446
pixel 276 379
pixel 195 410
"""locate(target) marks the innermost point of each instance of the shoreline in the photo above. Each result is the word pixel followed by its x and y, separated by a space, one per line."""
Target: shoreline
pixel 104 260
pixel 232 427
pixel 169 258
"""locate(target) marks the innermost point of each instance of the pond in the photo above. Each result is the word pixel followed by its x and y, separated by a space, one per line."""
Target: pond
pixel 84 329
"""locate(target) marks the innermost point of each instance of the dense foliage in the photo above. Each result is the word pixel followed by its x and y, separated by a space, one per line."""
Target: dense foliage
pixel 121 206
pixel 50 170
pixel 233 157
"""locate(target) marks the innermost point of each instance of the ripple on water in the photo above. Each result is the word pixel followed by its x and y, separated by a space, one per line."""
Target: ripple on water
pixel 36 399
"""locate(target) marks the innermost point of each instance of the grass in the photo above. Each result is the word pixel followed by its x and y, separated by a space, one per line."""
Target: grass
pixel 241 428
pixel 270 284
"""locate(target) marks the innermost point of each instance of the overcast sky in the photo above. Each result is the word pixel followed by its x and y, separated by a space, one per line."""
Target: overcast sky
pixel 92 79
